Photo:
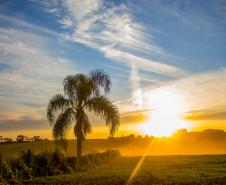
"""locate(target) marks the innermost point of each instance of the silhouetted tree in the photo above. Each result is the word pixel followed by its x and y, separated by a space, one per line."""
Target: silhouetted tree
pixel 82 94
pixel 7 140
pixel 181 132
pixel 37 138
pixel 22 138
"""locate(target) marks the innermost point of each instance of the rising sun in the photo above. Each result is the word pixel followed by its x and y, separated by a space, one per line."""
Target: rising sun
pixel 165 118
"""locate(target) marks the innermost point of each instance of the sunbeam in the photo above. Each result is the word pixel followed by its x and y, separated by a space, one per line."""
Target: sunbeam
pixel 137 168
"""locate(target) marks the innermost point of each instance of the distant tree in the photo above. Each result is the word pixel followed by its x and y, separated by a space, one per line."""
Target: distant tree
pixel 146 137
pixel 213 134
pixel 26 139
pixel 7 140
pixel 139 137
pixel 20 138
pixel 1 139
pixel 31 139
pixel 131 136
pixel 82 94
pixel 36 138
pixel 180 132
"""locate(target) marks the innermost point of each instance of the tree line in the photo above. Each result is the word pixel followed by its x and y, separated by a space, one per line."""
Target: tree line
pixel 21 138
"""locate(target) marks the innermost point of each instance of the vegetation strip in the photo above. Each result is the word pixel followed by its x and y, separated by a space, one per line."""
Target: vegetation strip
pixel 30 165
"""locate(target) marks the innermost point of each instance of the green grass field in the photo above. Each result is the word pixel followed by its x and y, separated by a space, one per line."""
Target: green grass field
pixel 191 169
pixel 12 150
pixel 206 169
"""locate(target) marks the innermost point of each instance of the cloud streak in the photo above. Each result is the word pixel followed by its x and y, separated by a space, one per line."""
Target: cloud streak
pixel 214 113
pixel 111 29
pixel 203 90
pixel 29 73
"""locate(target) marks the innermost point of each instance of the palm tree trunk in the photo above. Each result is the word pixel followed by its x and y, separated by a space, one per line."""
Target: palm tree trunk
pixel 79 147
pixel 79 132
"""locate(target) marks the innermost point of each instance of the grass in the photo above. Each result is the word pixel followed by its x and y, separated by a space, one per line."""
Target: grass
pixel 196 169
pixel 205 169
pixel 129 146
pixel 12 150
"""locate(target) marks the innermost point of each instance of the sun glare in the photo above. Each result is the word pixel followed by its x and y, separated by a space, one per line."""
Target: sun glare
pixel 167 107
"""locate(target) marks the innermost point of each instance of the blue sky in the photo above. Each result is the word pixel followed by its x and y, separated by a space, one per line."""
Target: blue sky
pixel 144 46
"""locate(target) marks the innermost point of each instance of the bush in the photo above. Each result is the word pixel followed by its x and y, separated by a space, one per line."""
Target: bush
pixel 91 160
pixel 41 164
pixel 27 157
pixel 47 164
pixel 20 169
pixel 7 173
pixel 2 181
pixel 60 162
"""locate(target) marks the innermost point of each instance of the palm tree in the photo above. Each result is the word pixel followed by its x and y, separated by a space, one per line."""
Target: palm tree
pixel 82 94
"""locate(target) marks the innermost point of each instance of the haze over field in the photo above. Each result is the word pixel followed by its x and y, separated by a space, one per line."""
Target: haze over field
pixel 181 143
pixel 166 60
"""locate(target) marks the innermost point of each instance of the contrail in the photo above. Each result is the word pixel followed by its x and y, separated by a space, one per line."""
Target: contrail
pixel 137 94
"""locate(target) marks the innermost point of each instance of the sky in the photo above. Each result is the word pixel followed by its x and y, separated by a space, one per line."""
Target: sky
pixel 166 60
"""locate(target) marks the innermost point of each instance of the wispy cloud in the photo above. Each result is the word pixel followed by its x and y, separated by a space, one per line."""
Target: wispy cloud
pixel 133 117
pixel 29 73
pixel 111 29
pixel 210 114
pixel 23 124
pixel 203 90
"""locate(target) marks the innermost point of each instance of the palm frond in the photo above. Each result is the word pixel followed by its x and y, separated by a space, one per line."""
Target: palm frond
pixel 56 103
pixel 86 125
pixel 70 85
pixel 63 124
pixel 78 87
pixel 100 79
pixel 103 107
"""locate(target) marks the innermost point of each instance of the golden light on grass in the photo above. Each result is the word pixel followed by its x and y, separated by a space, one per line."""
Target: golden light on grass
pixel 138 166
pixel 167 107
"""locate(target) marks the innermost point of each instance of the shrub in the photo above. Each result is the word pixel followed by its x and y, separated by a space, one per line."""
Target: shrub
pixel 2 181
pixel 7 173
pixel 59 162
pixel 41 165
pixel 47 164
pixel 27 157
pixel 20 169
pixel 50 163
pixel 92 160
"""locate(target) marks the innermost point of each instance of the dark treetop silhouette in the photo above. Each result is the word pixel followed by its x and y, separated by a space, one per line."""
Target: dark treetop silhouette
pixel 82 93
